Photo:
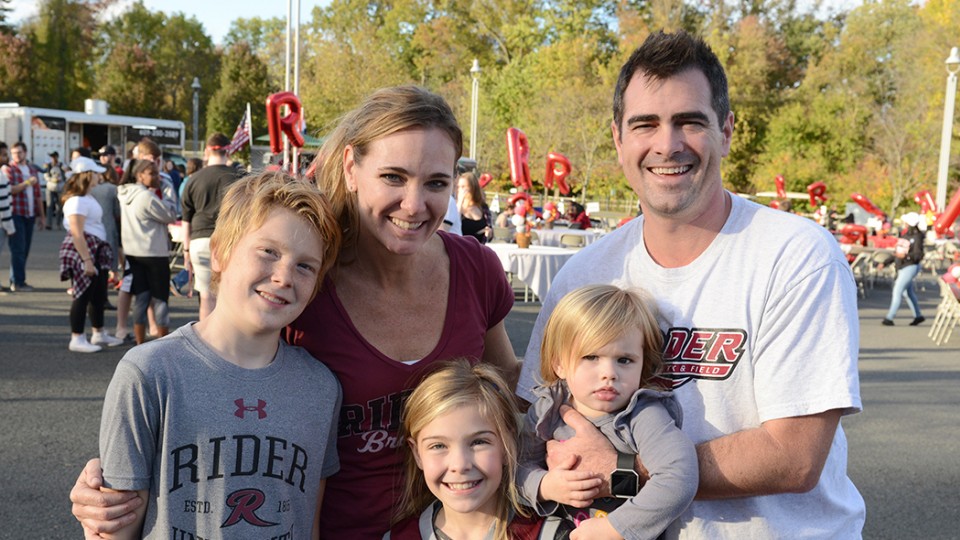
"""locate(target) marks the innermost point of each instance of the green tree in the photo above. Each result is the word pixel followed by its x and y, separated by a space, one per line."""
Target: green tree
pixel 61 37
pixel 180 49
pixel 5 26
pixel 128 81
pixel 243 79
pixel 267 39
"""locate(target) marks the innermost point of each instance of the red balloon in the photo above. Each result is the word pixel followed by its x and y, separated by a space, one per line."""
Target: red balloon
pixel 558 168
pixel 817 192
pixel 781 187
pixel 485 179
pixel 518 152
pixel 289 124
pixel 867 205
pixel 521 197
pixel 852 234
pixel 926 202
pixel 950 213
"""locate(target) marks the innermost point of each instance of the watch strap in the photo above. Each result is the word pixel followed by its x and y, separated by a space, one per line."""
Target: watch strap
pixel 625 461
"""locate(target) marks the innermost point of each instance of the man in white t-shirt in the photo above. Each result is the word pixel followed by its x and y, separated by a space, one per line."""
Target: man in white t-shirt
pixel 758 309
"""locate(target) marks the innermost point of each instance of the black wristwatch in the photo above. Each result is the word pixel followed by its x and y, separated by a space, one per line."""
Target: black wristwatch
pixel 624 481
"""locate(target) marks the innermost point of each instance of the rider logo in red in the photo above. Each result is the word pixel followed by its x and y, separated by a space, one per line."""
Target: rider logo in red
pixel 701 353
pixel 245 503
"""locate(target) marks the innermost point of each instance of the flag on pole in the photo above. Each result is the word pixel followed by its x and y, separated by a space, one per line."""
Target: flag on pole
pixel 242 135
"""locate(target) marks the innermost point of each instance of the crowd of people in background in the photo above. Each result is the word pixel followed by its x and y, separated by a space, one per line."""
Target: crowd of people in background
pixel 125 203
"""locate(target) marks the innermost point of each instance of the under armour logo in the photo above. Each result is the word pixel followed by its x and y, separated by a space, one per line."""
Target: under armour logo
pixel 242 408
pixel 245 502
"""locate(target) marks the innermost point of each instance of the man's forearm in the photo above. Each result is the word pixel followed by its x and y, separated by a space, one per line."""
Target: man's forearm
pixel 785 455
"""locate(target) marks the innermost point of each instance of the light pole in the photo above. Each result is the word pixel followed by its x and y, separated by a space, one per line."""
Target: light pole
pixel 196 111
pixel 953 65
pixel 474 96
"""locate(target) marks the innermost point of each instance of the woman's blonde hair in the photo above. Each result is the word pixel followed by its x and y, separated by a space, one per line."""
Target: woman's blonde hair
pixel 250 200
pixel 588 318
pixel 384 112
pixel 452 385
pixel 78 184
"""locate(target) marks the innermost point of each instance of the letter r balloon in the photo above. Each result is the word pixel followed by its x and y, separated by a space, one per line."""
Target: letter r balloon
pixel 288 124
pixel 518 152
pixel 817 192
pixel 558 168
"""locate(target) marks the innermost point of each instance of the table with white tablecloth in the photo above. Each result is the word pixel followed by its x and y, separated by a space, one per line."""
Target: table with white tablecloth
pixel 535 266
pixel 551 237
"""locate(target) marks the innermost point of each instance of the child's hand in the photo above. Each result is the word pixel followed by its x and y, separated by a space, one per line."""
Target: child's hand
pixel 566 486
pixel 595 528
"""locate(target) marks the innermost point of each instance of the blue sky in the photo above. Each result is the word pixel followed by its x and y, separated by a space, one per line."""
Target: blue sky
pixel 216 19
pixel 213 16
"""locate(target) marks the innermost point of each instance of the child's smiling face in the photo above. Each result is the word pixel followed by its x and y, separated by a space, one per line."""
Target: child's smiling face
pixel 462 458
pixel 271 274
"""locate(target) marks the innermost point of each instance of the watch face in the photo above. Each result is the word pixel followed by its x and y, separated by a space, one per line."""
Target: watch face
pixel 624 484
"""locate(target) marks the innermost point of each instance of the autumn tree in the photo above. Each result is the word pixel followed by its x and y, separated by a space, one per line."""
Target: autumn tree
pixel 17 74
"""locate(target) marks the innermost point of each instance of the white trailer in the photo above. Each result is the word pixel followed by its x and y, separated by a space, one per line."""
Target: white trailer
pixel 49 130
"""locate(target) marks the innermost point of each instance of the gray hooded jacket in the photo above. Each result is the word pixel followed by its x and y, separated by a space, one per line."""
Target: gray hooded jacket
pixel 143 221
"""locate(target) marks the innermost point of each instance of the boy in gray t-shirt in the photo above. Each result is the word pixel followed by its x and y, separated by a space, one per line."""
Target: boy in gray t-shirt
pixel 222 429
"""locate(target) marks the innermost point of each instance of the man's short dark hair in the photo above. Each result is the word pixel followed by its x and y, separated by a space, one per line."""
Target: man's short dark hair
pixel 218 142
pixel 20 145
pixel 83 151
pixel 664 55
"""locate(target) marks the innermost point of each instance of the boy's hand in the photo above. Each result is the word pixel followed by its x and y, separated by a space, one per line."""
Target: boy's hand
pixel 574 488
pixel 595 528
pixel 98 511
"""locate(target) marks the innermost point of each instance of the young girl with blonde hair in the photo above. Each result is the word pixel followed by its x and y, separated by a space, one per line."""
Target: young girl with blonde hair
pixel 461 433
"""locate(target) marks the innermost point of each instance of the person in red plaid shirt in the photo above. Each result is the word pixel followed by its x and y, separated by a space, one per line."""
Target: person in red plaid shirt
pixel 27 207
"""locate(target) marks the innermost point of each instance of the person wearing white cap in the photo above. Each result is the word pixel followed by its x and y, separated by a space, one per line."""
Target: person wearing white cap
pixel 85 256
pixel 909 253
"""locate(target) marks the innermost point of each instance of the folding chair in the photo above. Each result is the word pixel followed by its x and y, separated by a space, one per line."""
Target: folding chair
pixel 861 269
pixel 502 234
pixel 572 241
pixel 948 315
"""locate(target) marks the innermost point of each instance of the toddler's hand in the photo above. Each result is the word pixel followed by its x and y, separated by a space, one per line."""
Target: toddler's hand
pixel 573 488
pixel 595 528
